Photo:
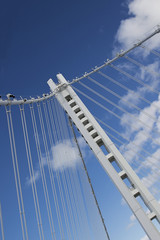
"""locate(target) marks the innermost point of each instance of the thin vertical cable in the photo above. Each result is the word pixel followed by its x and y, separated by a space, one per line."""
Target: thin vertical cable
pixel 16 173
pixel 62 194
pixel 70 183
pixel 89 180
pixel 1 220
pixel 51 174
pixel 47 157
pixel 56 172
pixel 74 178
pixel 45 189
pixel 64 178
pixel 31 171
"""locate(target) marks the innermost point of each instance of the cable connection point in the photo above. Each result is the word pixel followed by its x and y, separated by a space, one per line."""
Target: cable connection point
pixel 10 96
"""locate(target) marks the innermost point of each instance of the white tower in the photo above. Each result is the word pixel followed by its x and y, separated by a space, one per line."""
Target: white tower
pixel 97 139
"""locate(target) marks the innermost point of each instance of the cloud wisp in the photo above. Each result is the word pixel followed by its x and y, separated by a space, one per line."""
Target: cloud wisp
pixel 63 155
pixel 143 16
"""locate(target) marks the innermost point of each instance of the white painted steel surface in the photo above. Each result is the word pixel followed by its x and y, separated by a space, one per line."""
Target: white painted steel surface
pixel 86 123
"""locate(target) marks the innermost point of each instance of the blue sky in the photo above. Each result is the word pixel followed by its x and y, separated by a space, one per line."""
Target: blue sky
pixel 40 39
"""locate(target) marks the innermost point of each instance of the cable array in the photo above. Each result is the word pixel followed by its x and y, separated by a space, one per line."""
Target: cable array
pixel 31 173
pixel 68 211
pixel 16 174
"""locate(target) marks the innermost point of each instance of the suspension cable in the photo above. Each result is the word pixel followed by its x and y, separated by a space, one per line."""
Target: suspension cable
pixel 119 55
pixel 115 105
pixel 54 192
pixel 68 136
pixel 64 173
pixel 31 171
pixel 116 115
pixel 64 131
pixel 135 79
pixel 133 150
pixel 47 156
pixel 60 134
pixel 122 99
pixel 53 120
pixel 150 50
pixel 38 148
pixel 125 88
pixel 16 173
pixel 89 180
pixel 1 220
pixel 141 65
pixel 134 163
pixel 144 150
pixel 74 178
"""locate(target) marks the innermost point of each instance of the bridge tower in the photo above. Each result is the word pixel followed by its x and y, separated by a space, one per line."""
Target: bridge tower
pixel 98 140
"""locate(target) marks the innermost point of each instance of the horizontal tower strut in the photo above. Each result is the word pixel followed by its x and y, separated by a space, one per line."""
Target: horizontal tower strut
pixel 98 140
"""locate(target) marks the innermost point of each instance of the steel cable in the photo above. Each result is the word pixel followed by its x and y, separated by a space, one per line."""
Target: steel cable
pixel 150 50
pixel 74 179
pixel 47 157
pixel 60 136
pixel 116 115
pixel 135 79
pixel 57 173
pixel 16 174
pixel 144 150
pixel 54 192
pixel 1 221
pixel 115 105
pixel 122 99
pixel 142 66
pixel 65 173
pixel 125 88
pixel 31 171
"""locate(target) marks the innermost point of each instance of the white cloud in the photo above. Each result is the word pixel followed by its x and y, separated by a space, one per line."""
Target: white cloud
pixel 65 155
pixel 139 133
pixel 150 179
pixel 133 97
pixel 143 16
